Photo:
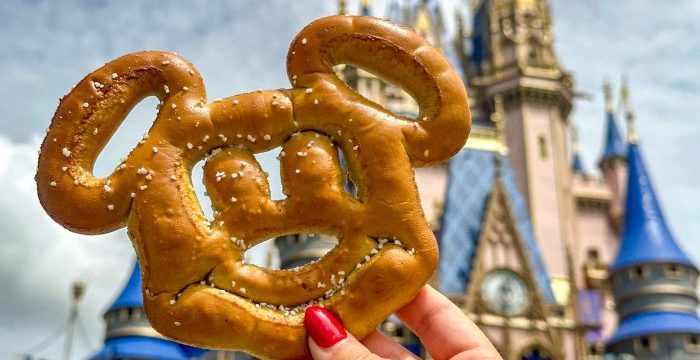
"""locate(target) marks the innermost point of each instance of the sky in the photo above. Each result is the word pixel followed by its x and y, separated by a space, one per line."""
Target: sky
pixel 238 46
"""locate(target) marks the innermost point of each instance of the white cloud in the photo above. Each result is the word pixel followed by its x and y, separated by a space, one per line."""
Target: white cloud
pixel 39 260
pixel 657 47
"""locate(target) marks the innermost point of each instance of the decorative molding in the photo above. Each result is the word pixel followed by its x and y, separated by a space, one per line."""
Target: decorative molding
pixel 661 307
pixel 658 289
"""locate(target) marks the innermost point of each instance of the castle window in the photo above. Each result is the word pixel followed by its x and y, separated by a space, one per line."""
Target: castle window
pixel 638 272
pixel 674 271
pixel 692 343
pixel 596 349
pixel 593 254
pixel 136 314
pixel 645 344
pixel 535 353
pixel 542 141
pixel 110 318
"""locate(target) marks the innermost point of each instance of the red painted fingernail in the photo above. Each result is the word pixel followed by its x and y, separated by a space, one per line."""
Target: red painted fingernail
pixel 323 327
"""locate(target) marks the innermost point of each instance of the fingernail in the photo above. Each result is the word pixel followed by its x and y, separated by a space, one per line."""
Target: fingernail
pixel 323 327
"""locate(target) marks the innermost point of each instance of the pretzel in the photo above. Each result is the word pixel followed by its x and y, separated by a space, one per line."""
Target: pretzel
pixel 197 287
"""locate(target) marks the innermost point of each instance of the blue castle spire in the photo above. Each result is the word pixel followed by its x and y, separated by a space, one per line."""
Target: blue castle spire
pixel 653 281
pixel 577 164
pixel 646 235
pixel 130 336
pixel 130 297
pixel 613 146
pixel 576 160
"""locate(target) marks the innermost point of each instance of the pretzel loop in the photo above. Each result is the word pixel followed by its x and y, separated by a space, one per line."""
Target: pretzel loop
pixel 398 57
pixel 83 124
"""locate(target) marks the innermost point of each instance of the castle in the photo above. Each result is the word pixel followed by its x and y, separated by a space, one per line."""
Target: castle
pixel 551 261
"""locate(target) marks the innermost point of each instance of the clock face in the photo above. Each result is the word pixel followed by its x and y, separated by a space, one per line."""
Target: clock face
pixel 505 292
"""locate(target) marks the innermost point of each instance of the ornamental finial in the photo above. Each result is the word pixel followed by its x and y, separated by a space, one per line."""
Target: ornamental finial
pixel 607 91
pixel 499 119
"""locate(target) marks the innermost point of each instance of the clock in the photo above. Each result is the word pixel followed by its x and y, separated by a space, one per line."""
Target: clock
pixel 505 292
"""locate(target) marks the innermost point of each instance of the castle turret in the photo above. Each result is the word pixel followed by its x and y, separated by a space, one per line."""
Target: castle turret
pixel 612 161
pixel 653 280
pixel 129 334
pixel 577 165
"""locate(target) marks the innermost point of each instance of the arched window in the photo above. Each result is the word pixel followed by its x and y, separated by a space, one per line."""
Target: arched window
pixel 535 353
pixel 542 142
pixel 674 271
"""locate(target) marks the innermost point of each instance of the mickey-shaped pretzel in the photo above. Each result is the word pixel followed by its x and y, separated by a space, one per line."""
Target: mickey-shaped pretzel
pixel 197 288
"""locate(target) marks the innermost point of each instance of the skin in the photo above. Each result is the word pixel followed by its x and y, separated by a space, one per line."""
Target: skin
pixel 445 331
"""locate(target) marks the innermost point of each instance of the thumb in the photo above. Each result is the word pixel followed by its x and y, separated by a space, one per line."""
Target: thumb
pixel 329 340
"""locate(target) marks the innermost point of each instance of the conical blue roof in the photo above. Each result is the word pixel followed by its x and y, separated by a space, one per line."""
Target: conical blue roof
pixel 138 347
pixel 577 164
pixel 130 296
pixel 480 36
pixel 646 237
pixel 614 145
pixel 657 322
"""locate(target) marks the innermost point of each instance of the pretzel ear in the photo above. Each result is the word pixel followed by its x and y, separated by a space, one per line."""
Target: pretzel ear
pixel 400 56
pixel 83 124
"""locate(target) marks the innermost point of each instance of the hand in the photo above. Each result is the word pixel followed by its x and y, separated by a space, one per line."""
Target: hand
pixel 443 329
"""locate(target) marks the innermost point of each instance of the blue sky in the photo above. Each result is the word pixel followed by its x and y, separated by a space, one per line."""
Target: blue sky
pixel 238 46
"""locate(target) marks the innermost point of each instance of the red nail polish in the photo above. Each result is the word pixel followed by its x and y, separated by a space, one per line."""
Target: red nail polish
pixel 323 327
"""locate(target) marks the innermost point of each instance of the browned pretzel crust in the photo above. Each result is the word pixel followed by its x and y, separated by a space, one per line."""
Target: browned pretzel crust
pixel 197 288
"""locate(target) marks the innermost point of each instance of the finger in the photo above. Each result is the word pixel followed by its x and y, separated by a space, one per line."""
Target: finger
pixel 381 345
pixel 346 349
pixel 328 339
pixel 444 329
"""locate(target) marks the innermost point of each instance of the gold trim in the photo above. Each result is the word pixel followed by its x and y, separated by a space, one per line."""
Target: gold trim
pixel 666 307
pixel 670 289
pixel 483 138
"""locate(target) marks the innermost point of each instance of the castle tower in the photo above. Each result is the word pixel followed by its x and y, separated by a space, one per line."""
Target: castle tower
pixel 652 279
pixel 512 56
pixel 612 161
pixel 129 335
pixel 491 265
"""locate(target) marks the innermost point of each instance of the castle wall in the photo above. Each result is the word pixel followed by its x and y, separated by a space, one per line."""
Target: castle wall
pixel 593 232
pixel 545 198
pixel 432 184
